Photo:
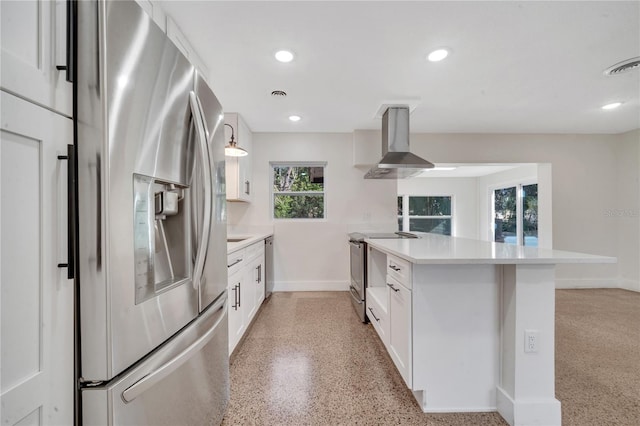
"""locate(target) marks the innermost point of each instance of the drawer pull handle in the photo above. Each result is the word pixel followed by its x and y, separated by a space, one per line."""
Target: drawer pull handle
pixel 393 288
pixel 234 263
pixel 395 268
pixel 374 315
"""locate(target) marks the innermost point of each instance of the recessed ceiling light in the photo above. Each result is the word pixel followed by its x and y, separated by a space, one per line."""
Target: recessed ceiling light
pixel 438 55
pixel 284 56
pixel 612 105
pixel 294 117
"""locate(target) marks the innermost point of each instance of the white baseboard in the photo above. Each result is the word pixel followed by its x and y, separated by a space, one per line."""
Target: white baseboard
pixel 525 411
pixel 626 284
pixel 311 286
pixel 567 283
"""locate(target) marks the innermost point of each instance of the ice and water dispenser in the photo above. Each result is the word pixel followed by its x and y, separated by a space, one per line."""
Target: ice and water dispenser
pixel 162 247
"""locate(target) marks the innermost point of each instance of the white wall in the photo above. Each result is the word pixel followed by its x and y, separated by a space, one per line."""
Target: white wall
pixel 626 210
pixel 584 181
pixel 590 175
pixel 314 255
pixel 465 199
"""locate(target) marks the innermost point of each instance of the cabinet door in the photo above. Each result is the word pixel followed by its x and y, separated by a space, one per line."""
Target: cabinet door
pixel 260 284
pixel 36 364
pixel 255 276
pixel 236 317
pixel 245 164
pixel 249 292
pixel 239 169
pixel 33 43
pixel 400 328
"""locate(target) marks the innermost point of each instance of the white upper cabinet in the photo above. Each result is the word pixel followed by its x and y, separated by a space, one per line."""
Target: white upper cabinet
pixel 33 43
pixel 238 169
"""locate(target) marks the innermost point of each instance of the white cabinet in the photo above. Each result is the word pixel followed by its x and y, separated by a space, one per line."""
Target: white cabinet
pixel 236 293
pixel 36 296
pixel 400 328
pixel 389 301
pixel 33 44
pixel 246 289
pixel 237 324
pixel 378 312
pixel 238 169
pixel 255 277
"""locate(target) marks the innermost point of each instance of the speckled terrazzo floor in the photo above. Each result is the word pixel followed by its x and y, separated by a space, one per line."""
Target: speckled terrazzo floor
pixel 307 360
pixel 598 357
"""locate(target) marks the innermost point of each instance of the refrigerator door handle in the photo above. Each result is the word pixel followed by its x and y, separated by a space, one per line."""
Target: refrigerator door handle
pixel 148 381
pixel 201 130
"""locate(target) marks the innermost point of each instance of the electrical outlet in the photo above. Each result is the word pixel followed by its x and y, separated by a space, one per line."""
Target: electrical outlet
pixel 531 338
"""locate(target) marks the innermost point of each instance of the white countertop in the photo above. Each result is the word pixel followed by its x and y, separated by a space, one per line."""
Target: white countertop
pixel 440 249
pixel 246 240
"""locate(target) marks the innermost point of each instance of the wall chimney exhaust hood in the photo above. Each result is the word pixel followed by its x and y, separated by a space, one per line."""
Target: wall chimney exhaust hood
pixel 397 162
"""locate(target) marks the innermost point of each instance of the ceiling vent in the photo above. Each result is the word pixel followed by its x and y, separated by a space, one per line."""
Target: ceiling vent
pixel 624 66
pixel 279 93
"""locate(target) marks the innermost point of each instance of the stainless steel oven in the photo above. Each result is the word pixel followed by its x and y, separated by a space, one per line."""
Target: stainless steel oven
pixel 358 268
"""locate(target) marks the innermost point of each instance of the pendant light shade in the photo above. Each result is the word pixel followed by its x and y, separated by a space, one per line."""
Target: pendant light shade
pixel 232 149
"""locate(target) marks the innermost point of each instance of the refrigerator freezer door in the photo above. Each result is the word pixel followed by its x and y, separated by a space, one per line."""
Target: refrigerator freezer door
pixel 140 168
pixel 184 382
pixel 214 277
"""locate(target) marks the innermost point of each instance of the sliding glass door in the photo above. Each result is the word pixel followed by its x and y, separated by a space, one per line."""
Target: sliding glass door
pixel 515 215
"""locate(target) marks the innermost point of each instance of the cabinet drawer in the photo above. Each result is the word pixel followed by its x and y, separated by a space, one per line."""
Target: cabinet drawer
pixel 377 311
pixel 399 269
pixel 254 250
pixel 235 261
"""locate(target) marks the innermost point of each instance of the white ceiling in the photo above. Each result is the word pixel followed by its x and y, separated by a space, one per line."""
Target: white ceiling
pixel 515 67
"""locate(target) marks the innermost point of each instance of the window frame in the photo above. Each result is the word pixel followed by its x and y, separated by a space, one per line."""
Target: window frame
pixel 519 185
pixel 406 217
pixel 273 193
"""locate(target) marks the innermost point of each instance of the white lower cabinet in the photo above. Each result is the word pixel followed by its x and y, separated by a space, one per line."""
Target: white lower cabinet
pixel 237 323
pixel 400 328
pixel 377 311
pixel 246 289
pixel 36 295
pixel 389 301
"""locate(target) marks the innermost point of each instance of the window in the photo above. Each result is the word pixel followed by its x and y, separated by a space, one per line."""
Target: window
pixel 425 214
pixel 515 215
pixel 298 190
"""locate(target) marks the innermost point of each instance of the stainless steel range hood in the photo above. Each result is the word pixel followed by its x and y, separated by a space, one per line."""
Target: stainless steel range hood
pixel 397 162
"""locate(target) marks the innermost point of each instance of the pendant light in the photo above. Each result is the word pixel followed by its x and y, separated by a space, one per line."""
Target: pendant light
pixel 232 149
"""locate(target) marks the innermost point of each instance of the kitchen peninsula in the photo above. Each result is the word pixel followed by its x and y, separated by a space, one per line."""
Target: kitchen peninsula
pixel 470 324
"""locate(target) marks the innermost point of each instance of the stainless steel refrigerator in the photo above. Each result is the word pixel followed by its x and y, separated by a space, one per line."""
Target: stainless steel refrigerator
pixel 151 227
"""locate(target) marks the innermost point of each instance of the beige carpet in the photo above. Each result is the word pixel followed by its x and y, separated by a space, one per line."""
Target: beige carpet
pixel 308 361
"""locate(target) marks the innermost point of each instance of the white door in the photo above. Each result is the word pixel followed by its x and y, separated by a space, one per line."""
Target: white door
pixel 249 293
pixel 33 45
pixel 36 364
pixel 236 316
pixel 400 329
